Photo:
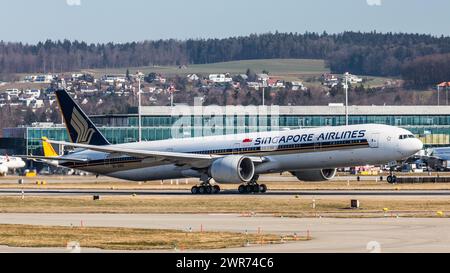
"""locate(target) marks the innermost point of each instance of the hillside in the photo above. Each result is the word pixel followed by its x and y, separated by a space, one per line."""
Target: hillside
pixel 276 67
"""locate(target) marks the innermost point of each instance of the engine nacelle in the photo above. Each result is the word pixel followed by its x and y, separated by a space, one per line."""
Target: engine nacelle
pixel 232 169
pixel 315 175
pixel 3 170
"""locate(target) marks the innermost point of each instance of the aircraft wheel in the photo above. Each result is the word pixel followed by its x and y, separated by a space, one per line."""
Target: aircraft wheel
pixel 255 188
pixel 216 189
pixel 242 189
pixel 194 190
pixel 262 188
pixel 208 189
pixel 391 179
pixel 201 190
pixel 248 189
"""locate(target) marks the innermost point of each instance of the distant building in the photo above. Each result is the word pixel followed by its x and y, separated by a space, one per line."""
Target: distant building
pixel 44 78
pixel 352 79
pixel 262 77
pixel 112 79
pixel 192 77
pixel 35 93
pixel 12 93
pixel 297 85
pixel 220 78
pixel 274 83
pixel 244 76
pixel 88 89
pixel 37 104
pixel 330 80
pixel 444 85
pixel 159 78
pixel 254 85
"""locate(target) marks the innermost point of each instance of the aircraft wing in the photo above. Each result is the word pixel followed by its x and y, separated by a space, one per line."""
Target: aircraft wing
pixel 68 159
pixel 195 160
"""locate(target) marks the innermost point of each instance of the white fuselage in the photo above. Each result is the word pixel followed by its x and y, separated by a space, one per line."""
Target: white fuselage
pixel 10 163
pixel 301 149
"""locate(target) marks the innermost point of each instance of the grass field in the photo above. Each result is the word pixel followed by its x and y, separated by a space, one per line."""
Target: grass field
pixel 274 182
pixel 128 238
pixel 291 206
pixel 280 67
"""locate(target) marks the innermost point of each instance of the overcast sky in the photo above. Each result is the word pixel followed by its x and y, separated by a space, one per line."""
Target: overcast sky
pixel 136 20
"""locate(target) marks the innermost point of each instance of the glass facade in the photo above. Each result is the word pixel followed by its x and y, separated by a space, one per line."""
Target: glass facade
pixel 432 130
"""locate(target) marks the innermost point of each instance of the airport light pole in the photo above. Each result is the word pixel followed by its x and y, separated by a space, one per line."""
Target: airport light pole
pixel 139 74
pixel 438 94
pixel 346 101
pixel 263 96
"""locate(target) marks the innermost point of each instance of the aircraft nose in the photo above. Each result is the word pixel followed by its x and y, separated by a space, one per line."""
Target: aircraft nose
pixel 418 145
pixel 410 146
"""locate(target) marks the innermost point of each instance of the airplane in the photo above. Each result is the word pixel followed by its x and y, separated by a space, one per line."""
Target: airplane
pixel 310 154
pixel 50 155
pixel 10 163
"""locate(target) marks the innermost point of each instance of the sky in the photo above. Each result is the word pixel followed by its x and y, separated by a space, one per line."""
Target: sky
pixel 99 21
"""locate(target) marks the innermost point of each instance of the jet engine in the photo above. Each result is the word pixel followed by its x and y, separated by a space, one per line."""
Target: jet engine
pixel 315 175
pixel 3 170
pixel 232 169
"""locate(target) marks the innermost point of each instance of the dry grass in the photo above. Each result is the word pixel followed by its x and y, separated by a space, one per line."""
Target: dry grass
pixel 288 186
pixel 294 206
pixel 274 182
pixel 127 238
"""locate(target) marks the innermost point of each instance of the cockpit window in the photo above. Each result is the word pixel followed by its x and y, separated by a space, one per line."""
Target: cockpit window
pixel 406 136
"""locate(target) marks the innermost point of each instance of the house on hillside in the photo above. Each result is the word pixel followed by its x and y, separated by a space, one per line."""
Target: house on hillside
pixel 44 78
pixel 254 85
pixel 275 83
pixel 37 104
pixel 262 77
pixel 297 85
pixel 330 80
pixel 192 77
pixel 88 89
pixel 220 78
pixel 352 79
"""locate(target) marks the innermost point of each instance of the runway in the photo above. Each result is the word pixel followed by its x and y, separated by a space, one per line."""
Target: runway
pixel 329 234
pixel 87 192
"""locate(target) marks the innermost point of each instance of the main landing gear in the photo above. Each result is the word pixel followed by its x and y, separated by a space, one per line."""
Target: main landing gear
pixel 205 187
pixel 252 187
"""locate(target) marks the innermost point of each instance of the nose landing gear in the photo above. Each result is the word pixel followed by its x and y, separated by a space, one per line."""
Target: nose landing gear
pixel 391 179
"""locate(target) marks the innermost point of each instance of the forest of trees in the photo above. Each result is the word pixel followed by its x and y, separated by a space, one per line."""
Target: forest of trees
pixel 376 54
pixel 427 70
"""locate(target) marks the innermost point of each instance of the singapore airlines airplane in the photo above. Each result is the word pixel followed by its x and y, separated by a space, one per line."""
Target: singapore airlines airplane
pixel 10 163
pixel 309 154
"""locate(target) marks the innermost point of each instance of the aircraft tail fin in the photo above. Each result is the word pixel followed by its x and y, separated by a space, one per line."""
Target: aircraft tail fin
pixel 49 151
pixel 79 127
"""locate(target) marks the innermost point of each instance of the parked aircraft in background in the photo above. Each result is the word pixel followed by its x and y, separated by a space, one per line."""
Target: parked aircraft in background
pixel 8 163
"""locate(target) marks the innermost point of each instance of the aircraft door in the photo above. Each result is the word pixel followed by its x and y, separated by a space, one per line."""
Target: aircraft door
pixel 236 147
pixel 374 140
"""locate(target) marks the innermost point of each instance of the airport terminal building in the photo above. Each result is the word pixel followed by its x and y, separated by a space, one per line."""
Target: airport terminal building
pixel 430 123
